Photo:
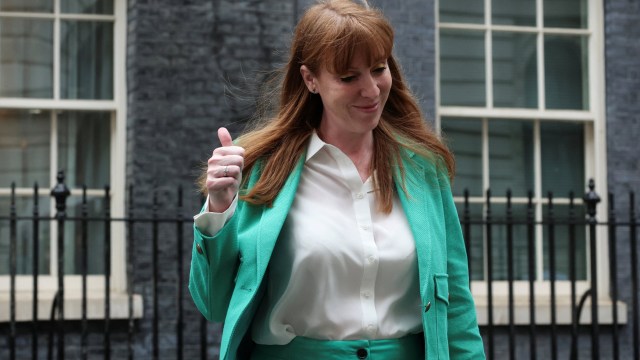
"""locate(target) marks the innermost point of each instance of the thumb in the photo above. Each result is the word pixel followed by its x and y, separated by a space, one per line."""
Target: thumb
pixel 225 137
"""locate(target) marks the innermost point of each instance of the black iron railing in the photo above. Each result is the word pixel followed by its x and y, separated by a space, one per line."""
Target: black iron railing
pixel 490 222
pixel 56 324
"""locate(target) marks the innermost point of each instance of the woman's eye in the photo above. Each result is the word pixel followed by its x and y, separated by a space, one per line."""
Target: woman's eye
pixel 347 79
pixel 380 69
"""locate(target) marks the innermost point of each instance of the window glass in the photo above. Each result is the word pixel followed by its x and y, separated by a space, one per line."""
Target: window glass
pixel 25 144
pixel 566 72
pixel 86 58
pixel 26 5
pixel 26 58
pixel 464 138
pixel 561 239
pixel 510 157
pixel 95 239
pixel 499 236
pixel 562 146
pixel 462 68
pixel 83 148
pixel 513 12
pixel 475 238
pixel 87 6
pixel 565 13
pixel 462 11
pixel 515 80
pixel 25 236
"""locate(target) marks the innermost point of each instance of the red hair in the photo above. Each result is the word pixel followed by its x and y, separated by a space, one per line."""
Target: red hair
pixel 329 34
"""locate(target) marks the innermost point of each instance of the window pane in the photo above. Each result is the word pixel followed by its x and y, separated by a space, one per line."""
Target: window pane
pixel 510 157
pixel 462 68
pixel 561 239
pixel 515 80
pixel 26 58
pixel 83 148
pixel 562 147
pixel 475 239
pixel 26 5
pixel 464 138
pixel 462 11
pixel 514 12
pixel 87 6
pixel 86 60
pixel 565 13
pixel 566 72
pixel 25 236
pixel 25 138
pixel 95 236
pixel 499 236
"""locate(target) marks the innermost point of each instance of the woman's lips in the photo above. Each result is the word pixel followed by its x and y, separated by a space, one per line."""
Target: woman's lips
pixel 367 108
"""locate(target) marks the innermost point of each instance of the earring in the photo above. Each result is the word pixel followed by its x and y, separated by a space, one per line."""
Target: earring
pixel 314 91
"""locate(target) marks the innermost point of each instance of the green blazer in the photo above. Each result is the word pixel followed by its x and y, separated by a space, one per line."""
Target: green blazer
pixel 228 269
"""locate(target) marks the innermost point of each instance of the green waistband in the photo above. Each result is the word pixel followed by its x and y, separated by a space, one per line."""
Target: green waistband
pixel 300 348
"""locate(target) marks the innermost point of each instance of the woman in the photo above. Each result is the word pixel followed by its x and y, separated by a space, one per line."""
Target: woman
pixel 330 231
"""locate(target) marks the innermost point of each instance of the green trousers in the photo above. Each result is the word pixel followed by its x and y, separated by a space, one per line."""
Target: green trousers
pixel 410 347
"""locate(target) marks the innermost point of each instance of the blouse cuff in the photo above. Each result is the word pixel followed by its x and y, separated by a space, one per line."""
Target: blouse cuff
pixel 209 223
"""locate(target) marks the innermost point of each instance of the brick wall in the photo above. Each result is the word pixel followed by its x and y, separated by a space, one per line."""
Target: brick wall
pixel 622 51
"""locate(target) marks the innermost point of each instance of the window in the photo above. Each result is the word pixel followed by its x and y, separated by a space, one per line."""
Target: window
pixel 520 103
pixel 62 107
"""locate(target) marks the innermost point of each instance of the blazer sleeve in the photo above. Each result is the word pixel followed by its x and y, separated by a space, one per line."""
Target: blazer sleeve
pixel 214 264
pixel 464 336
pixel 215 261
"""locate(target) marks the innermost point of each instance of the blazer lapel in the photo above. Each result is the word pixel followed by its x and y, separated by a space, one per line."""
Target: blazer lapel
pixel 273 218
pixel 414 204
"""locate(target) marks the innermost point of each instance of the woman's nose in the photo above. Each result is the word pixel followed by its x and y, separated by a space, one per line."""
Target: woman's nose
pixel 370 88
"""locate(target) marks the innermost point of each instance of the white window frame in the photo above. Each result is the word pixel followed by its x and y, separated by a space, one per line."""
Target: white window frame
pixel 48 284
pixel 595 162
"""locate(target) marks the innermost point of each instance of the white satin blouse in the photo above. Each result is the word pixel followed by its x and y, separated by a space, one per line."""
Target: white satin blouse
pixel 340 270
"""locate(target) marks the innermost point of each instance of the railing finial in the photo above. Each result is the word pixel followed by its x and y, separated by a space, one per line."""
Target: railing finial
pixel 591 199
pixel 60 192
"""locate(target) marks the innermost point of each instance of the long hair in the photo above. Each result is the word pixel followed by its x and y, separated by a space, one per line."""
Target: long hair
pixel 328 35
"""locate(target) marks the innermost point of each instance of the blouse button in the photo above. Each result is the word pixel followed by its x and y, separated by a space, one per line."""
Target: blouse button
pixel 359 196
pixel 198 249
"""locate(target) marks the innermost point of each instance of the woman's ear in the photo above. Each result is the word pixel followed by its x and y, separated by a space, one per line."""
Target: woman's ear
pixel 309 79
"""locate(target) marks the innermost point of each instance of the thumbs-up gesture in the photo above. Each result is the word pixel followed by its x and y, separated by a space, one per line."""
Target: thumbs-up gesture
pixel 224 172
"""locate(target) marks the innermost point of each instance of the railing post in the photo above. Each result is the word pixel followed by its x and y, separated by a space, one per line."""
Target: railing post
pixel 36 272
pixel 552 274
pixel 61 192
pixel 613 275
pixel 488 221
pixel 591 199
pixel 13 248
pixel 532 275
pixel 510 278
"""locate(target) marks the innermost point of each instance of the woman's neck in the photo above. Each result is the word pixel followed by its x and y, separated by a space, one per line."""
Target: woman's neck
pixel 358 147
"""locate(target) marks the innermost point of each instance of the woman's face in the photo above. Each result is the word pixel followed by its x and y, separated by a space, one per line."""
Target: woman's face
pixel 353 101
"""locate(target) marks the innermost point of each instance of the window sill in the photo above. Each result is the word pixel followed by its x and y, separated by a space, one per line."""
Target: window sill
pixel 543 311
pixel 119 306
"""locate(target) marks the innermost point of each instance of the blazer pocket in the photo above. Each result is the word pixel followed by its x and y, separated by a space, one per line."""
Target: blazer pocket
pixel 442 309
pixel 442 287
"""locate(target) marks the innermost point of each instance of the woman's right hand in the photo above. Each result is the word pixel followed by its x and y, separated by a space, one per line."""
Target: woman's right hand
pixel 224 172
